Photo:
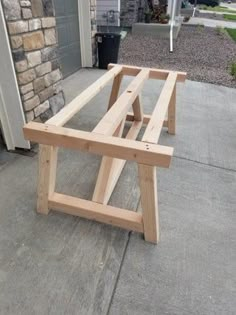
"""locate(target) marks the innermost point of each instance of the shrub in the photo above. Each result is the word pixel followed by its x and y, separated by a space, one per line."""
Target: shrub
pixel 203 7
pixel 186 19
pixel 233 70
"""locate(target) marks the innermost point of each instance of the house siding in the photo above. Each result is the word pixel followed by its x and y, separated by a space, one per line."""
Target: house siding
pixel 106 5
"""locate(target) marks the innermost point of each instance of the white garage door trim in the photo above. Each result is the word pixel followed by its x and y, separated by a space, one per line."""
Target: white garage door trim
pixel 85 33
pixel 12 116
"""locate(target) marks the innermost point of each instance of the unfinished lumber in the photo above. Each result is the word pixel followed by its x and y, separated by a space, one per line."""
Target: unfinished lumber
pixel 115 90
pixel 148 191
pixel 146 119
pixel 80 101
pixel 125 219
pixel 107 140
pixel 172 113
pixel 159 74
pixel 153 130
pixel 138 109
pixel 46 176
pixel 125 149
pixel 118 111
pixel 111 169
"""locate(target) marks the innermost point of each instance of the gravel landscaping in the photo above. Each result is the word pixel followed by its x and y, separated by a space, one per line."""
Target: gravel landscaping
pixel 203 53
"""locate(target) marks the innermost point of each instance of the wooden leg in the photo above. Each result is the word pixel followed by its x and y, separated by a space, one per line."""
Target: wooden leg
pixel 115 90
pixel 137 108
pixel 149 202
pixel 109 173
pixel 46 176
pixel 172 113
pixel 108 176
pixel 111 169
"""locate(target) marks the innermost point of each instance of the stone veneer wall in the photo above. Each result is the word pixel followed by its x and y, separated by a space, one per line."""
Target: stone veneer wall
pixel 33 37
pixel 129 12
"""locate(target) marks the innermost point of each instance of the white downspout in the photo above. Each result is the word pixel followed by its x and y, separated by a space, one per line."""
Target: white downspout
pixel 172 22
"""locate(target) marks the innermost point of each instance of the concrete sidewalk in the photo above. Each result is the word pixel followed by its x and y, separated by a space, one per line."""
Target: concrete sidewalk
pixel 216 12
pixel 210 22
pixel 59 264
pixel 231 6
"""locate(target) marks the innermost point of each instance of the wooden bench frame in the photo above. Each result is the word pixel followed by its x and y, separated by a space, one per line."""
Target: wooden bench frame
pixel 106 140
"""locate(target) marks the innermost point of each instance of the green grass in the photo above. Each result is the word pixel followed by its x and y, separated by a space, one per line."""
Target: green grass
pixel 232 33
pixel 216 9
pixel 229 17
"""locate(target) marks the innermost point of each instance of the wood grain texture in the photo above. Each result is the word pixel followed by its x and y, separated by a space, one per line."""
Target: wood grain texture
pixel 153 130
pixel 141 152
pixel 149 202
pixel 125 219
pixel 118 111
pixel 146 119
pixel 110 171
pixel 80 101
pixel 159 74
pixel 138 109
pixel 172 113
pixel 115 90
pixel 46 176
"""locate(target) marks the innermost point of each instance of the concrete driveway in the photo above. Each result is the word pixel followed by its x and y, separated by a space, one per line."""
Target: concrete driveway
pixel 59 264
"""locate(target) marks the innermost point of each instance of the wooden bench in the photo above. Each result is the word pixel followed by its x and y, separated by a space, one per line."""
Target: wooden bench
pixel 106 140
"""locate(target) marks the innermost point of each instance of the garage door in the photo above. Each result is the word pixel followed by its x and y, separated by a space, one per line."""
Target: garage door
pixel 68 35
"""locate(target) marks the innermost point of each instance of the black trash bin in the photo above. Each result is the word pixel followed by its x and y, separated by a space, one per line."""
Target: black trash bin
pixel 108 48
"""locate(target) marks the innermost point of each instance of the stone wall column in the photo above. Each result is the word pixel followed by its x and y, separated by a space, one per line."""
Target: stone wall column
pixel 33 37
pixel 129 12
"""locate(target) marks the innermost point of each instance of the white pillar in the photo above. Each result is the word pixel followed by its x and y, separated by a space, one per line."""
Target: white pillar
pixel 178 8
pixel 169 8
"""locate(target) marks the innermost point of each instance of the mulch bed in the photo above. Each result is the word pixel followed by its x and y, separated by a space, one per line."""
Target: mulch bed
pixel 200 51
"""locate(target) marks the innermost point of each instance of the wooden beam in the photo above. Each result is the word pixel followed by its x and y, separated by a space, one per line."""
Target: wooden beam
pixel 138 109
pixel 111 169
pixel 125 219
pixel 154 73
pixel 115 90
pixel 146 119
pixel 113 98
pixel 172 114
pixel 46 176
pixel 80 101
pixel 149 202
pixel 125 149
pixel 118 111
pixel 153 130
